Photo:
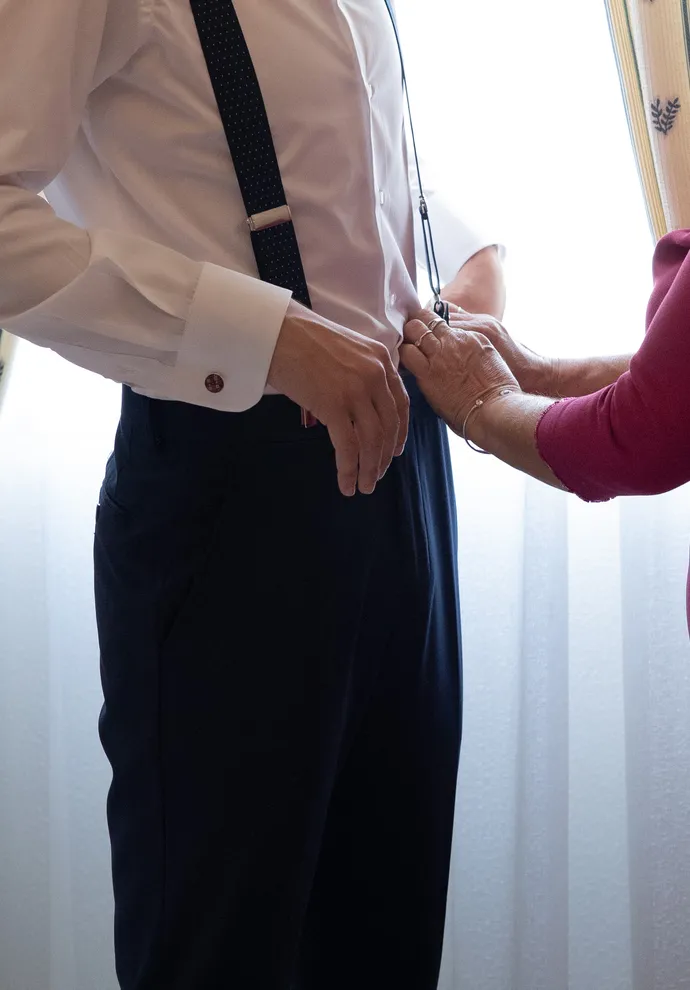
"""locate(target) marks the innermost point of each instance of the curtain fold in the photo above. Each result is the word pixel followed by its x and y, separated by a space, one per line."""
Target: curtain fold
pixel 6 349
pixel 652 44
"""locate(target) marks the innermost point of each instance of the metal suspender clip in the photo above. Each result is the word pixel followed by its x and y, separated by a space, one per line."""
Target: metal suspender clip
pixel 269 218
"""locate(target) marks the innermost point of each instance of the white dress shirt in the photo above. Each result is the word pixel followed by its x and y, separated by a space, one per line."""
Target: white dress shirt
pixel 139 266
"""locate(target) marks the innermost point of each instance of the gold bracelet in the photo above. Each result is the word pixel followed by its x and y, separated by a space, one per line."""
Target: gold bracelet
pixel 477 405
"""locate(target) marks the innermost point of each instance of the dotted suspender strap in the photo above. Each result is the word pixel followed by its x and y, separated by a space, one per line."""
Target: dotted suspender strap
pixel 250 141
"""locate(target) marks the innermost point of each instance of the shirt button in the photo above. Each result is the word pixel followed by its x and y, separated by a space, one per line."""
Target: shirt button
pixel 394 299
pixel 214 384
pixel 371 89
pixel 382 197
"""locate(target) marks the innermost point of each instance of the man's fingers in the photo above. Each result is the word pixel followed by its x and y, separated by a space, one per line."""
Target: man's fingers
pixel 370 429
pixel 346 446
pixel 370 437
pixel 402 403
pixel 387 411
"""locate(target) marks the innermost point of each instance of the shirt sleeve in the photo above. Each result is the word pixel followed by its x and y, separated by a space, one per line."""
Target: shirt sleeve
pixel 632 438
pixel 455 241
pixel 117 304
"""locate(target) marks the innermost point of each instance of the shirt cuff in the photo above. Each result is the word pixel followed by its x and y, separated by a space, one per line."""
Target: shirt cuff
pixel 227 347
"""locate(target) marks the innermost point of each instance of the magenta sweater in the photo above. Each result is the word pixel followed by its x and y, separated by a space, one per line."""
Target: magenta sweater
pixel 633 437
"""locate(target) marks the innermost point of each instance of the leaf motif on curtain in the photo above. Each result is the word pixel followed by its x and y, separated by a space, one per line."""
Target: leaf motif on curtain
pixel 664 117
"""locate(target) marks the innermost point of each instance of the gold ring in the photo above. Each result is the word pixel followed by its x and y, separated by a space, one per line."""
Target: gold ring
pixel 427 333
pixel 436 323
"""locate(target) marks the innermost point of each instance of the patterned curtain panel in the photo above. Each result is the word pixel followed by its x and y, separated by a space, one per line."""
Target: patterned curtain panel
pixel 652 42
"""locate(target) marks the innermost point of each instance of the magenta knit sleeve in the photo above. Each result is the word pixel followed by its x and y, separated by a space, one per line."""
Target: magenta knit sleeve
pixel 633 438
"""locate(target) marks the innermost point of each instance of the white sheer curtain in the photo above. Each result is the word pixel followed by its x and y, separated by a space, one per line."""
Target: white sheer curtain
pixel 572 862
pixel 572 865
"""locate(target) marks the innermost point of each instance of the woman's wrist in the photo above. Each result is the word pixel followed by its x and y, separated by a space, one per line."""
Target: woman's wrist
pixel 542 376
pixel 573 377
pixel 506 427
pixel 470 422
pixel 484 425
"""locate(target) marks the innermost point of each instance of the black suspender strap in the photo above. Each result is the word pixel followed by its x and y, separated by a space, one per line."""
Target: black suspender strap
pixel 250 141
pixel 440 307
pixel 248 133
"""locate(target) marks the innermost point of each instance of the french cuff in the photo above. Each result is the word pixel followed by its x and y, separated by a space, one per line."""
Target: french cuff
pixel 229 339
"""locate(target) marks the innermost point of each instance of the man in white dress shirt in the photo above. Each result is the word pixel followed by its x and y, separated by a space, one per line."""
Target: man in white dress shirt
pixel 277 606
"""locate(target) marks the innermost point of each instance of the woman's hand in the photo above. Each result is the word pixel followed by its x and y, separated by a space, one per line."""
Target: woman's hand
pixel 454 368
pixel 536 375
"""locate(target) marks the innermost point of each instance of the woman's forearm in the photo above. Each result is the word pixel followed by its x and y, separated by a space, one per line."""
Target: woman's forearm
pixel 583 376
pixel 540 375
pixel 506 427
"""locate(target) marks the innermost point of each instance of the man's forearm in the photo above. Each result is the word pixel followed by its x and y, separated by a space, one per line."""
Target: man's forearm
pixel 479 286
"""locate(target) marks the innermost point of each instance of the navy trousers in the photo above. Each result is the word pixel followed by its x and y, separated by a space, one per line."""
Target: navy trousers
pixel 281 672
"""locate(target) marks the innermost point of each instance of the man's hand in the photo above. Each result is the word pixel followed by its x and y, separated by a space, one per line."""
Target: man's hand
pixel 350 385
pixel 479 286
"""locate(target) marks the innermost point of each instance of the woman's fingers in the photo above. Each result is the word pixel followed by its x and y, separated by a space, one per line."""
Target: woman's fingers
pixel 453 308
pixel 426 335
pixel 454 367
pixel 423 336
pixel 414 360
pixel 468 321
pixel 460 320
pixel 456 310
pixel 426 331
pixel 423 342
